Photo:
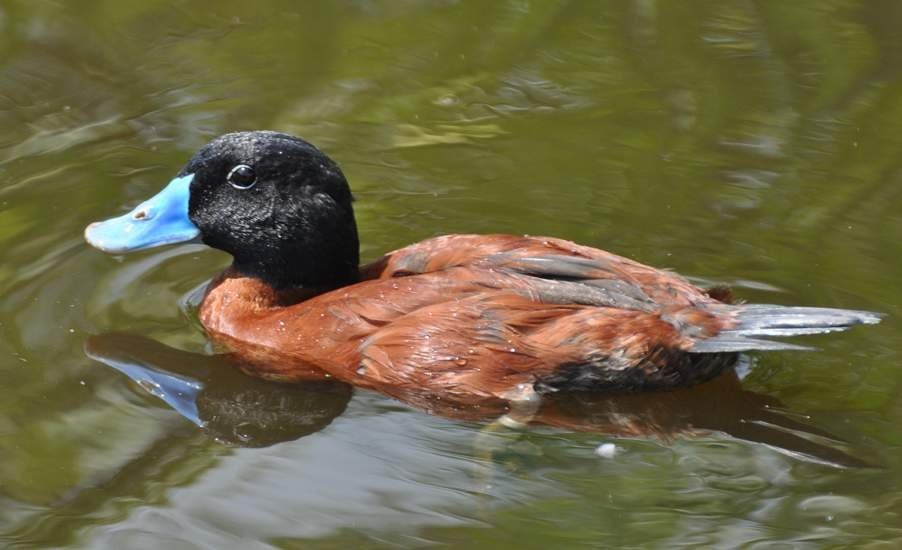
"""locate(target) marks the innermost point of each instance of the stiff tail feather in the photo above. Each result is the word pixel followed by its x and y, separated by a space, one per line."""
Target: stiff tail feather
pixel 756 322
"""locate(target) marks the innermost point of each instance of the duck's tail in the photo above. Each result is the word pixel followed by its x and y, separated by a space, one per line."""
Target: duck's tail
pixel 755 322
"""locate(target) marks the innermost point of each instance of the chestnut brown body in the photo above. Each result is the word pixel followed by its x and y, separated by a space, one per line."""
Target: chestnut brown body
pixel 468 318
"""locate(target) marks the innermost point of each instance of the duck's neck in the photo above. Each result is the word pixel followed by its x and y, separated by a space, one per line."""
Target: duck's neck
pixel 322 255
pixel 234 289
pixel 287 277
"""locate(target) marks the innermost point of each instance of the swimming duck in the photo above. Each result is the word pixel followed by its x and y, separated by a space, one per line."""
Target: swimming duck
pixel 461 318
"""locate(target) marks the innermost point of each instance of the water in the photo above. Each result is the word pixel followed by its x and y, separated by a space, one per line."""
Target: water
pixel 755 144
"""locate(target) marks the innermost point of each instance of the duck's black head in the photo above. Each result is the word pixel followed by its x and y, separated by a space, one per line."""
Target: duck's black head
pixel 276 203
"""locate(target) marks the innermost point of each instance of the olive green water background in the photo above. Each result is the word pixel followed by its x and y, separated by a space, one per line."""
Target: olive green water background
pixel 757 144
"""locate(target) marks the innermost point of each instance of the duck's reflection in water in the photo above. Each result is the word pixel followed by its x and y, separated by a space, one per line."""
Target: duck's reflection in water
pixel 238 409
pixel 227 404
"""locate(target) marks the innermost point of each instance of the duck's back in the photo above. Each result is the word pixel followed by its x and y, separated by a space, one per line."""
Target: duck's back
pixel 546 258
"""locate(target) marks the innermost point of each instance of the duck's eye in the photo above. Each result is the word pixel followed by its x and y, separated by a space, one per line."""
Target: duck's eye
pixel 242 177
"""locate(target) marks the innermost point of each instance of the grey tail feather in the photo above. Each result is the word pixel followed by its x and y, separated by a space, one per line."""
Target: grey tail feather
pixel 757 321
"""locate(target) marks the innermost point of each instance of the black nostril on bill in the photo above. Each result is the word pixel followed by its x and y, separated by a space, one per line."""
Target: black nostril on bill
pixel 140 215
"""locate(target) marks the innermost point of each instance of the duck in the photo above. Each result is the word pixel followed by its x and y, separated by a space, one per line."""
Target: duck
pixel 462 319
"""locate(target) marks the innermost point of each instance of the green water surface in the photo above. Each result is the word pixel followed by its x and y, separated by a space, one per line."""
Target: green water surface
pixel 752 143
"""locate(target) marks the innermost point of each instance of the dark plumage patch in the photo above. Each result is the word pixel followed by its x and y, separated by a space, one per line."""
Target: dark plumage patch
pixel 663 368
pixel 721 293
